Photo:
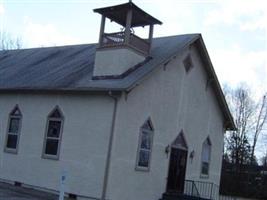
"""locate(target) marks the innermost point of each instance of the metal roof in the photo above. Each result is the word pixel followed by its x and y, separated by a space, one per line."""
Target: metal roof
pixel 118 14
pixel 70 68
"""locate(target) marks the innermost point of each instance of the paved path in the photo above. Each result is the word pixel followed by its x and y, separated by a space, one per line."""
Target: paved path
pixel 11 192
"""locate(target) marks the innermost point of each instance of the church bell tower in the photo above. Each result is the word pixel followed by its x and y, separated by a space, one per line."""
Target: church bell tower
pixel 120 51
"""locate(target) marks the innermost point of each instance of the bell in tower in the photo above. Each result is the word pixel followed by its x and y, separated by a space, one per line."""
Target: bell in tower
pixel 120 51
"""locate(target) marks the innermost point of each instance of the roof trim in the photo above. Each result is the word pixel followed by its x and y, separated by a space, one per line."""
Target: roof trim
pixel 59 90
pixel 141 18
pixel 229 123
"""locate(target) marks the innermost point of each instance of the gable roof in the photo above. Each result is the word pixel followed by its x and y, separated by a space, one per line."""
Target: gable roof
pixel 70 68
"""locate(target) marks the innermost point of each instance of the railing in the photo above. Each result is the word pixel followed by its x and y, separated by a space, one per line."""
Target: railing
pixel 208 190
pixel 204 190
pixel 139 43
pixel 113 39
pixel 190 188
pixel 227 198
pixel 118 38
pixel 201 189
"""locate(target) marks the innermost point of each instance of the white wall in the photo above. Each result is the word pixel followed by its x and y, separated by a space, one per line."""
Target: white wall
pixel 115 61
pixel 174 100
pixel 84 141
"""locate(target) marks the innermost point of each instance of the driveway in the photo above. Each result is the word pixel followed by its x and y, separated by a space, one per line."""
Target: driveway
pixel 11 192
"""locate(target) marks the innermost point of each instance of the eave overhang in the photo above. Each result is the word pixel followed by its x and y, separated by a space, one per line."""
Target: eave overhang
pixel 118 14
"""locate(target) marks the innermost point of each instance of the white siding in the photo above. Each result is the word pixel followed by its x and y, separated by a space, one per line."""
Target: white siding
pixel 174 100
pixel 84 141
pixel 115 61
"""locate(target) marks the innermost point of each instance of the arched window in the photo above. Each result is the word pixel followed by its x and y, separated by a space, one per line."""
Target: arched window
pixel 145 146
pixel 53 134
pixel 205 157
pixel 13 130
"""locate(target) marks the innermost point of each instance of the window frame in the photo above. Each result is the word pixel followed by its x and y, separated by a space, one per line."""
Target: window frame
pixel 59 139
pixel 207 141
pixel 12 116
pixel 139 149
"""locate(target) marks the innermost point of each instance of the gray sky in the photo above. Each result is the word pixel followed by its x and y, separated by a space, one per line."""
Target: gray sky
pixel 234 31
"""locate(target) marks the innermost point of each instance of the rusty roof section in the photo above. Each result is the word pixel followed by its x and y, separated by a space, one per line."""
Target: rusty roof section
pixel 118 14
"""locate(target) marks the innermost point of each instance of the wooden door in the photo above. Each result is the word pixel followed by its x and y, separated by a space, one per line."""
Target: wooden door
pixel 177 168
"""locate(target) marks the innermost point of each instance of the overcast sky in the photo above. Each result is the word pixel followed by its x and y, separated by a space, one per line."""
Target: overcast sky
pixel 235 31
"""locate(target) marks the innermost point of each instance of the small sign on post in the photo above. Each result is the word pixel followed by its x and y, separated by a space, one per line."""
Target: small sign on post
pixel 62 184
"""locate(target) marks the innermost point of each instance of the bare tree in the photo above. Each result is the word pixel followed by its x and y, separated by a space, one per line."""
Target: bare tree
pixel 260 121
pixel 264 160
pixel 8 42
pixel 250 118
pixel 242 107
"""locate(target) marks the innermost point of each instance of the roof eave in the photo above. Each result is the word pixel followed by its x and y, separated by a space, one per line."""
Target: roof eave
pixel 130 5
pixel 89 90
pixel 229 121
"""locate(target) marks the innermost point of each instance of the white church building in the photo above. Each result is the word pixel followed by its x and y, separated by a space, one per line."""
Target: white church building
pixel 125 119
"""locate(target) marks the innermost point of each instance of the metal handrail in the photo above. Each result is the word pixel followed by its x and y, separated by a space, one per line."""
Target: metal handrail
pixel 194 185
pixel 191 189
pixel 202 189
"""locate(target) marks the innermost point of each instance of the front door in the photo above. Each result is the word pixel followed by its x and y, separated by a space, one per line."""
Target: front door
pixel 177 167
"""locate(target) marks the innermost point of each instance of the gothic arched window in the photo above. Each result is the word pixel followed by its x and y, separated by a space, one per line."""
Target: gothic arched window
pixel 205 157
pixel 145 146
pixel 53 134
pixel 13 130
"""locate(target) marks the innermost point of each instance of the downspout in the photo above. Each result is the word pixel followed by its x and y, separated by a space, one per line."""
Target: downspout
pixel 108 159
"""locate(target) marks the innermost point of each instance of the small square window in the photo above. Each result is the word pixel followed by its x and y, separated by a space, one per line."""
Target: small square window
pixel 143 158
pixel 205 168
pixel 51 147
pixel 145 141
pixel 12 141
pixel 54 129
pixel 188 65
pixel 13 125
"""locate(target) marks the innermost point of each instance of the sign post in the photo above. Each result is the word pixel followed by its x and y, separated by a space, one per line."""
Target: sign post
pixel 62 184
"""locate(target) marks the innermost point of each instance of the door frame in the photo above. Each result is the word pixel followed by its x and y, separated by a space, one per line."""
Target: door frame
pixel 176 144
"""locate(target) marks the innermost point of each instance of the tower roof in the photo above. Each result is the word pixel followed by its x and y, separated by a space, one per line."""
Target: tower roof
pixel 118 14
